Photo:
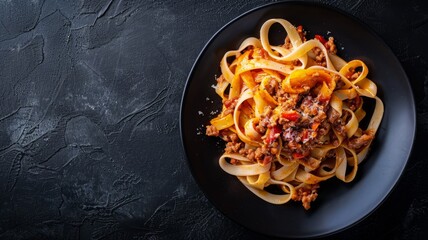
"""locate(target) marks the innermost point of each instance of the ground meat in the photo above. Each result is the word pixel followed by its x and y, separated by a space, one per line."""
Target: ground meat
pixel 261 128
pixel 263 125
pixel 358 142
pixel 247 152
pixel 312 111
pixel 265 121
pixel 352 74
pixel 233 137
pixel 340 128
pixel 332 115
pixel 323 134
pixel 233 147
pixel 294 145
pixel 302 35
pixel 319 54
pixel 260 152
pixel 212 131
pixel 287 43
pixel 308 106
pixel 319 57
pixel 331 46
pixel 297 141
pixel 287 100
pixel 340 122
pixel 230 105
pixel 274 150
pixel 263 154
pixel 354 103
pixel 234 144
pixel 306 195
pixel 324 128
pixel 272 87
pixel 229 136
pixel 296 63
pixel 299 133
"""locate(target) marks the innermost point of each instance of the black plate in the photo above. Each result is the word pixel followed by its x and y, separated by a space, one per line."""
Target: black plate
pixel 339 205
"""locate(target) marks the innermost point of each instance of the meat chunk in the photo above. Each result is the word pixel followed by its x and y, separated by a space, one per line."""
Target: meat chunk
pixel 354 103
pixel 212 131
pixel 306 195
pixel 331 46
pixel 319 57
pixel 247 152
pixel 302 35
pixel 233 147
pixel 230 106
pixel 234 144
pixel 272 87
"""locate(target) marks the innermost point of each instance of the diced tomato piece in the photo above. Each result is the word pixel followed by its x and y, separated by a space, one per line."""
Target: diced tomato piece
pixel 298 155
pixel 273 134
pixel 324 99
pixel 315 125
pixel 291 115
pixel 320 38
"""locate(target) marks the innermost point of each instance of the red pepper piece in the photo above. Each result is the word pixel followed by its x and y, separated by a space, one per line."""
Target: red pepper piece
pixel 321 39
pixel 273 134
pixel 298 155
pixel 291 115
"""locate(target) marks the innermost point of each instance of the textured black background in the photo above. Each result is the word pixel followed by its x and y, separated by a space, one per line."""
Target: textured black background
pixel 89 135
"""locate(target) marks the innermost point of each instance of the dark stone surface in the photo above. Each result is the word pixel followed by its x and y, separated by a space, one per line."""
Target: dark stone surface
pixel 90 98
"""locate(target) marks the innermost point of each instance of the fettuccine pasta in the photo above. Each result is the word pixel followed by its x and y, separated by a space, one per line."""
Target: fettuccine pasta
pixel 291 115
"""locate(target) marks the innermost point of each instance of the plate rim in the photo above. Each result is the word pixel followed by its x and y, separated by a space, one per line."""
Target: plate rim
pixel 408 152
